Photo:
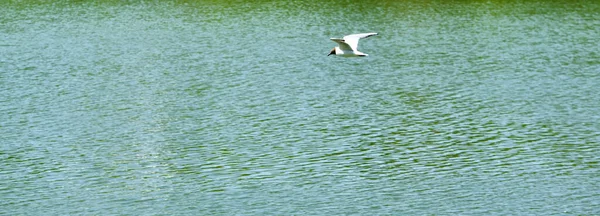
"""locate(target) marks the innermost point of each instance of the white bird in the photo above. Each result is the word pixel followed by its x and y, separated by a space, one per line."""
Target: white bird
pixel 349 44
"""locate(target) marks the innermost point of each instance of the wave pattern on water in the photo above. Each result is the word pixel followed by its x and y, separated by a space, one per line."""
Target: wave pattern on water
pixel 234 108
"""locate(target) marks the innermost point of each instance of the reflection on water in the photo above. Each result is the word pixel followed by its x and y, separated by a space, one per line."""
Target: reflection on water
pixel 228 108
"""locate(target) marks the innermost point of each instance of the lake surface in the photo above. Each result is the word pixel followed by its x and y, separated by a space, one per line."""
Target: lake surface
pixel 234 108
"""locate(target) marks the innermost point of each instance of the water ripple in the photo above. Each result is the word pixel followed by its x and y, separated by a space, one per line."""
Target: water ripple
pixel 160 108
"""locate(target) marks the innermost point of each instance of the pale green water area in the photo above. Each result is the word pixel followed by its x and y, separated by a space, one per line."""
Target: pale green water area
pixel 234 108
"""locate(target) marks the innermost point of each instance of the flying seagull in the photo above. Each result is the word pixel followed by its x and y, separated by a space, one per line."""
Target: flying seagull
pixel 348 46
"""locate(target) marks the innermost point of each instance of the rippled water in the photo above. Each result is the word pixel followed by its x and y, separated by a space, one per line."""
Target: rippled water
pixel 234 108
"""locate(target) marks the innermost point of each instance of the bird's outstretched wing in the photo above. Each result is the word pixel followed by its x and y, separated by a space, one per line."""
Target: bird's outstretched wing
pixel 342 44
pixel 352 40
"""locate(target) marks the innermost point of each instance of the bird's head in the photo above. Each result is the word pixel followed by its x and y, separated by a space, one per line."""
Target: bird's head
pixel 332 52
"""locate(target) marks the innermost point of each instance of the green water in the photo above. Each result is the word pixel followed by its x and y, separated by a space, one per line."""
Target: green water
pixel 234 108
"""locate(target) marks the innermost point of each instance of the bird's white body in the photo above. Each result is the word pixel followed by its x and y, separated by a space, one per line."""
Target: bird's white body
pixel 348 46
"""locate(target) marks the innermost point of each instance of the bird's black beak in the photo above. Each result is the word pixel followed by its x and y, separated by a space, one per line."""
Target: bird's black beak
pixel 332 52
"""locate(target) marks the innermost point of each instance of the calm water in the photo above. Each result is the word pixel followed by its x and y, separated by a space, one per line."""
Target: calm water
pixel 233 108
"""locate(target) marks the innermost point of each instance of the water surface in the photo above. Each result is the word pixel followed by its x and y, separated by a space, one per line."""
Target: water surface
pixel 234 108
